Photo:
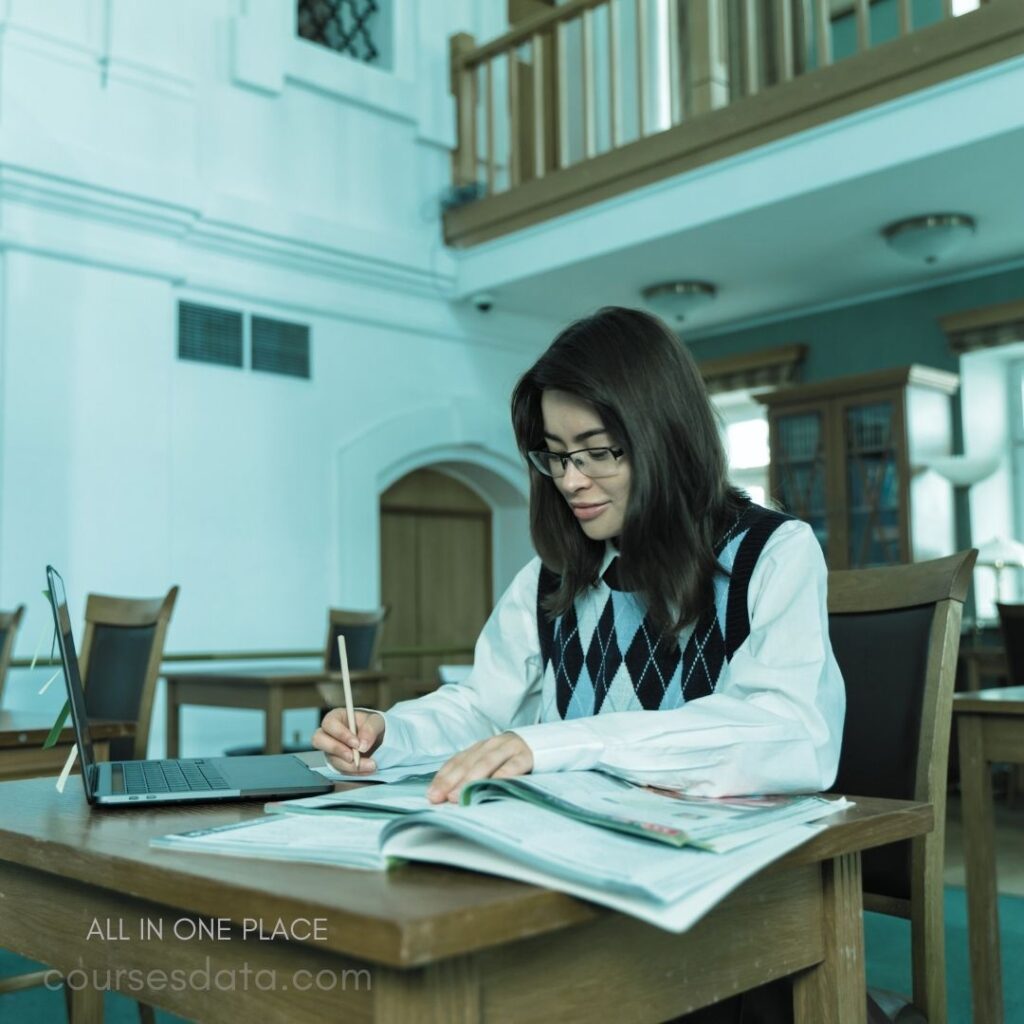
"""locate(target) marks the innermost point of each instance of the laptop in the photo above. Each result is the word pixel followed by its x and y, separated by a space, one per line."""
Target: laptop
pixel 181 780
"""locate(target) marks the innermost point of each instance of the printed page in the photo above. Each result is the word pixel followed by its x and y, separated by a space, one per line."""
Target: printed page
pixel 346 841
pixel 405 797
pixel 662 815
pixel 399 773
pixel 574 851
pixel 435 845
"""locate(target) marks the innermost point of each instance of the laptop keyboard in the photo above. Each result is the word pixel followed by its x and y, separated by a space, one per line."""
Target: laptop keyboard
pixel 170 776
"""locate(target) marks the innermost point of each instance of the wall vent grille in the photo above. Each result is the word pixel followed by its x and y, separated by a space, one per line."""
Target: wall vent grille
pixel 280 347
pixel 209 335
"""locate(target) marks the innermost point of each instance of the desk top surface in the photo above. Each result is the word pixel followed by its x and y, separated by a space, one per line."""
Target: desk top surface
pixel 30 729
pixel 410 915
pixel 1000 700
pixel 269 676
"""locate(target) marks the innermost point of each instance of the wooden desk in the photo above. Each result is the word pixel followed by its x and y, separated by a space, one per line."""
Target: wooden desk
pixel 981 661
pixel 419 943
pixel 270 691
pixel 991 728
pixel 21 741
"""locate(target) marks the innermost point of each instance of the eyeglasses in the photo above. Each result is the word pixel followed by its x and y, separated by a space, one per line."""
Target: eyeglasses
pixel 591 462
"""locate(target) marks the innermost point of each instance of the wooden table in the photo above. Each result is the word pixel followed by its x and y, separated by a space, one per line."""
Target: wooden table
pixel 21 741
pixel 991 728
pixel 269 690
pixel 419 943
pixel 982 660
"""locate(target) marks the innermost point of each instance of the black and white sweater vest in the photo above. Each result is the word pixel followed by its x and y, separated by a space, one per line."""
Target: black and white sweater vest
pixel 604 655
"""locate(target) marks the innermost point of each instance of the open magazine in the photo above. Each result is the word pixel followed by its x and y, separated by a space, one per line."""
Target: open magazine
pixel 665 816
pixel 526 840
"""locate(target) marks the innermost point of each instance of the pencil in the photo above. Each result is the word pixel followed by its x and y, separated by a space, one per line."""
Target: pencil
pixel 346 683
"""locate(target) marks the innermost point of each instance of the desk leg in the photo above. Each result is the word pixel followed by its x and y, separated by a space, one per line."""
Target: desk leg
pixel 980 865
pixel 835 992
pixel 272 729
pixel 441 993
pixel 173 720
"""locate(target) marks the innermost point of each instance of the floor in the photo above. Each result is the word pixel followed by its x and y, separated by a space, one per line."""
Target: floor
pixel 1009 845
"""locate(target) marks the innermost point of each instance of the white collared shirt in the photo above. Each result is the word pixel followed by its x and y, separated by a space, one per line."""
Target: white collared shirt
pixel 773 725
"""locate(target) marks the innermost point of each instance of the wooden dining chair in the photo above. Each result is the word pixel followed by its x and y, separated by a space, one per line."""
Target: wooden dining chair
pixel 9 623
pixel 1011 625
pixel 362 632
pixel 122 648
pixel 896 634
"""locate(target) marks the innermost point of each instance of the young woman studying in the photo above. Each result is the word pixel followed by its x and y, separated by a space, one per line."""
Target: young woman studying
pixel 669 630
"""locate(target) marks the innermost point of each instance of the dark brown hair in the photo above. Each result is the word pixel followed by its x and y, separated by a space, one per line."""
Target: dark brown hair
pixel 651 398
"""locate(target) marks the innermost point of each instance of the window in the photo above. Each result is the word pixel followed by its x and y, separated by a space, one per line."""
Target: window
pixel 745 433
pixel 355 28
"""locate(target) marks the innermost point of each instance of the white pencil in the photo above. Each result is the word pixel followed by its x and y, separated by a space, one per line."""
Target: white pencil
pixel 346 683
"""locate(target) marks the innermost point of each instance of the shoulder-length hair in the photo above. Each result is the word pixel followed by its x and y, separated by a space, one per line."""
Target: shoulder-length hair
pixel 651 399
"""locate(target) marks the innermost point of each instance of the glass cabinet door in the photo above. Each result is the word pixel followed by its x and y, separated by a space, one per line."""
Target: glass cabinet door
pixel 798 467
pixel 873 493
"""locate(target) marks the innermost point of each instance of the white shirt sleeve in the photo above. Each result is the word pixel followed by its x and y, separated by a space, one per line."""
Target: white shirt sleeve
pixel 774 723
pixel 502 691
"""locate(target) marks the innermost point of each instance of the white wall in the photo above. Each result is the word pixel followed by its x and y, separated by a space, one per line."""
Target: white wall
pixel 153 152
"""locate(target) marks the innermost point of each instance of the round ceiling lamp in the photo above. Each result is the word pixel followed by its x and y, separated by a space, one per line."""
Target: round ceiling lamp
pixel 676 300
pixel 929 238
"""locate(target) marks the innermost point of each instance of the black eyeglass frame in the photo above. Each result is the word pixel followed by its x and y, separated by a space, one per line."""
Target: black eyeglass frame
pixel 537 458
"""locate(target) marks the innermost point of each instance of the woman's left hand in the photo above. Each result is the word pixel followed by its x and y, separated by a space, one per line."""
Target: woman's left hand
pixel 500 757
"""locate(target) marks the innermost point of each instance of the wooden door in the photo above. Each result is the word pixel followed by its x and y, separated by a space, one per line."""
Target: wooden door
pixel 435 575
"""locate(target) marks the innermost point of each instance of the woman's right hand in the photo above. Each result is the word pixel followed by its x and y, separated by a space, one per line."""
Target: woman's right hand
pixel 339 743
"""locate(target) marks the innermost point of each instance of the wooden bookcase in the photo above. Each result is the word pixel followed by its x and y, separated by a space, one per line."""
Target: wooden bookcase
pixel 848 457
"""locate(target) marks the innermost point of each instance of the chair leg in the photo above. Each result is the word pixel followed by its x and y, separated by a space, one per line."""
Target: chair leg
pixel 23 981
pixel 85 1005
pixel 928 939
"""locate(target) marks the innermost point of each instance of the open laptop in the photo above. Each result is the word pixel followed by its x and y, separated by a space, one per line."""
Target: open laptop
pixel 182 780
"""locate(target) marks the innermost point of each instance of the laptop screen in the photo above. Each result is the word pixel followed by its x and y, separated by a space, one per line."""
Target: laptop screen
pixel 72 677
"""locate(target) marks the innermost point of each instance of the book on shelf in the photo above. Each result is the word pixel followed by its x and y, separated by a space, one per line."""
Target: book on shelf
pixel 535 834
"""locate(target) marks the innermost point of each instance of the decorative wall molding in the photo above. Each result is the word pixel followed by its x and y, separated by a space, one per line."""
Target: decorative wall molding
pixel 91 58
pixel 27 188
pixel 985 327
pixel 770 367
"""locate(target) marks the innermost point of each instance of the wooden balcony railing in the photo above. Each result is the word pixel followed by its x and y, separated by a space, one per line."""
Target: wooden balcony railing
pixel 595 97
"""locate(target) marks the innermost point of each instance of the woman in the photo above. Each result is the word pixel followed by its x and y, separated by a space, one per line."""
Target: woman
pixel 670 630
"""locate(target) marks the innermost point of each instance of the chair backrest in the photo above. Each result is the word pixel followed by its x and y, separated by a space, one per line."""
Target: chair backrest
pixel 9 623
pixel 122 647
pixel 362 632
pixel 895 632
pixel 1011 624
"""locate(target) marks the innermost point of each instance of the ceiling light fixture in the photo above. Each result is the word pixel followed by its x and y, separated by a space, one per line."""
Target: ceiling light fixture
pixel 930 238
pixel 677 300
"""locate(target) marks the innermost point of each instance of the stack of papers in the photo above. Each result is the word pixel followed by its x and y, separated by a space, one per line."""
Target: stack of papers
pixel 657 856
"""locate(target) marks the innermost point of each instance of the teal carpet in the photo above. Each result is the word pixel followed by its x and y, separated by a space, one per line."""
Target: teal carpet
pixel 888 957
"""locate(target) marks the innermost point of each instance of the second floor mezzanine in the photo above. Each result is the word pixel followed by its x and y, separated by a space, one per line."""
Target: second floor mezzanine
pixel 588 99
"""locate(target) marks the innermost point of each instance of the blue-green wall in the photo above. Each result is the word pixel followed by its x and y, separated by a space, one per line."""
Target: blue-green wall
pixel 871 335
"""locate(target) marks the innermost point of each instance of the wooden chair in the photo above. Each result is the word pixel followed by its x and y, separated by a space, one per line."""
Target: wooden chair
pixel 122 648
pixel 9 623
pixel 896 633
pixel 362 632
pixel 1011 625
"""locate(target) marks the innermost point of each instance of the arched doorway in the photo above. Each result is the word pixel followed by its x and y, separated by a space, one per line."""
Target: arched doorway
pixel 436 574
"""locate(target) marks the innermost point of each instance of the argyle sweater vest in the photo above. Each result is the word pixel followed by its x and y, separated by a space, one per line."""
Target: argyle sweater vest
pixel 604 654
